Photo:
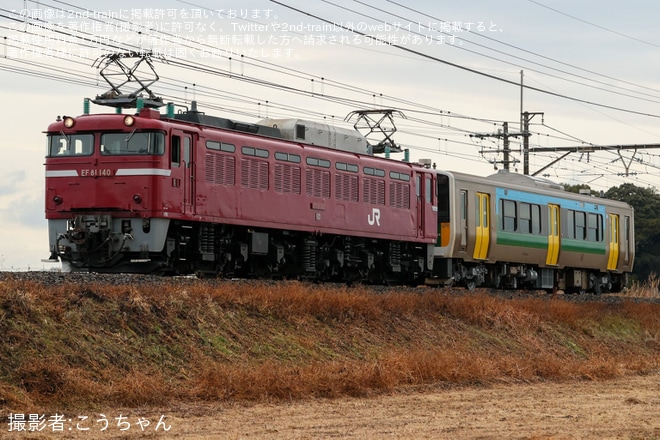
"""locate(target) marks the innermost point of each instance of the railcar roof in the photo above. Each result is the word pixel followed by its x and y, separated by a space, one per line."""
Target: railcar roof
pixel 523 182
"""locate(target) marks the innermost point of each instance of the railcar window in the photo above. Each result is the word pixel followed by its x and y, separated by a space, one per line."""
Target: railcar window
pixel 525 218
pixel 221 146
pixel 509 217
pixel 594 227
pixel 134 143
pixel 580 224
pixel 570 224
pixel 536 219
pixel 70 145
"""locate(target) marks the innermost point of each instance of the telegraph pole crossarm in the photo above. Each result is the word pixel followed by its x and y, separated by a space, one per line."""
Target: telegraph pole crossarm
pixel 591 149
pixel 505 135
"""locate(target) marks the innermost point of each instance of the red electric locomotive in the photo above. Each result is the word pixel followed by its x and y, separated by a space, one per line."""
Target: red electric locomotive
pixel 191 193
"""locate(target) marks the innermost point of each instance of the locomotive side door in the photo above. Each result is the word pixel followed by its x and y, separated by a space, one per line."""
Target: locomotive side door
pixel 613 259
pixel 482 223
pixel 183 169
pixel 553 235
pixel 426 210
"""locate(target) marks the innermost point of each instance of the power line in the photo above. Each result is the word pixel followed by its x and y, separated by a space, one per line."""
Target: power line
pixel 465 68
pixel 621 34
pixel 172 83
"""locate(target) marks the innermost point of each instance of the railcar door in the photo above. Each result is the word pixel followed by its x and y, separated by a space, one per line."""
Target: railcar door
pixel 482 222
pixel 554 242
pixel 613 259
pixel 183 169
pixel 626 241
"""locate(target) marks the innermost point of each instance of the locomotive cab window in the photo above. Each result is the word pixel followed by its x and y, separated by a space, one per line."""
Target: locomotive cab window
pixel 70 145
pixel 133 143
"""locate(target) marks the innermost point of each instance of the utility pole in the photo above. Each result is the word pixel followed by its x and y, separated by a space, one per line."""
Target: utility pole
pixel 507 149
pixel 505 135
pixel 526 117
pixel 521 101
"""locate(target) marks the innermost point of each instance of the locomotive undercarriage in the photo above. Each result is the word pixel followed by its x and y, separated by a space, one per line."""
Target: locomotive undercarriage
pixel 235 251
pixel 525 276
pixel 101 243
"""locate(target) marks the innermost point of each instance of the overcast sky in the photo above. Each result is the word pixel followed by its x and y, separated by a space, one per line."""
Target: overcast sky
pixel 452 67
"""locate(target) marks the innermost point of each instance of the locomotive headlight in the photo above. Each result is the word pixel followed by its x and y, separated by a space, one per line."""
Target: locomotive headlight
pixel 57 200
pixel 137 198
pixel 129 120
pixel 69 122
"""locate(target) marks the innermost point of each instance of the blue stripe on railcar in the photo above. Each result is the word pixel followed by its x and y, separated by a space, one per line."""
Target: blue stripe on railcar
pixel 544 199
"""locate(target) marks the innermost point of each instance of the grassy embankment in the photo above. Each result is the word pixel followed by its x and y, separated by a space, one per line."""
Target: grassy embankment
pixel 71 346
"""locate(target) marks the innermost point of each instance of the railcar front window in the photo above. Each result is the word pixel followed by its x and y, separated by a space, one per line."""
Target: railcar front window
pixel 134 143
pixel 70 145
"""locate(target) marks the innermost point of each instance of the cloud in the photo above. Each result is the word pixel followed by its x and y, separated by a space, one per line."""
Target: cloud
pixel 12 182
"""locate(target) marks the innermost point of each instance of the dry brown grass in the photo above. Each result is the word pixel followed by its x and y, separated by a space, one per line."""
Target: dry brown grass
pixel 72 346
pixel 649 289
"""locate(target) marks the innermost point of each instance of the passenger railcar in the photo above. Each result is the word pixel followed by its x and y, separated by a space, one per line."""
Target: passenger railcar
pixel 509 230
pixel 190 193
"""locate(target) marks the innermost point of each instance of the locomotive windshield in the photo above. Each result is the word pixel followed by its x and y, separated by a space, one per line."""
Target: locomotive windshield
pixel 144 142
pixel 61 145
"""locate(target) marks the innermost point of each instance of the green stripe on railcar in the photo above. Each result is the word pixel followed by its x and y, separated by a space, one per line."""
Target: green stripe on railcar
pixel 522 240
pixel 583 246
pixel 541 242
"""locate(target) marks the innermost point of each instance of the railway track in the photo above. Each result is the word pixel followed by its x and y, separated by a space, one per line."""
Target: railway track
pixel 57 278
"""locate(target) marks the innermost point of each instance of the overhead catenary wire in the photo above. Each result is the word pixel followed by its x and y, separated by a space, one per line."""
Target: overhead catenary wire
pixel 337 99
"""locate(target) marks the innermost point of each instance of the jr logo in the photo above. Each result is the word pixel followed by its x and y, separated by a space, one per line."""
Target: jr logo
pixel 374 217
